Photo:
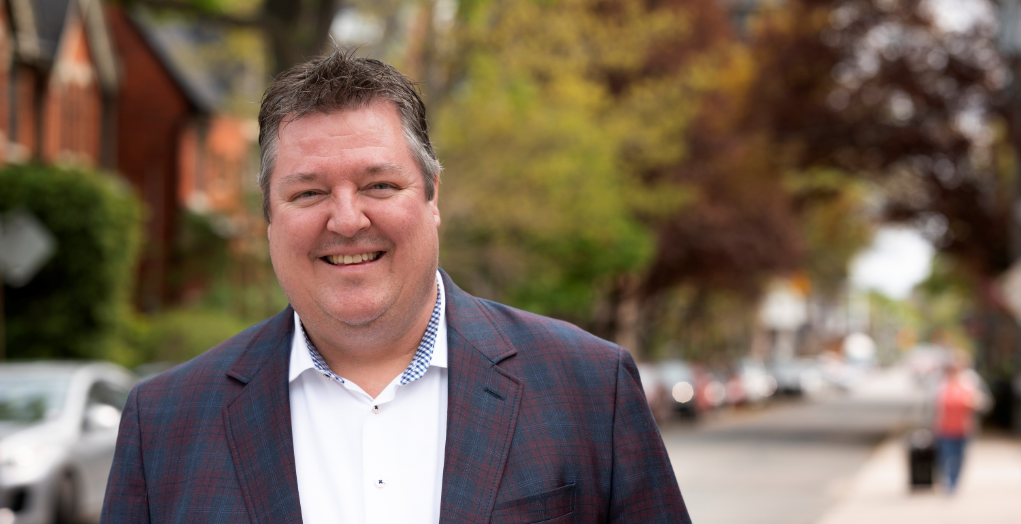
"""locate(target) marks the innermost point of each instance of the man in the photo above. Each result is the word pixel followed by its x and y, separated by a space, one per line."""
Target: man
pixel 386 394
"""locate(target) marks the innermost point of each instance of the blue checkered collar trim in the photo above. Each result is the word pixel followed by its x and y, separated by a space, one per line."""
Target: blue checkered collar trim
pixel 419 363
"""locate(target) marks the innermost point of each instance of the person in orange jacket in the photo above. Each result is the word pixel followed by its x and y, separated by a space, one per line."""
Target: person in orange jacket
pixel 958 398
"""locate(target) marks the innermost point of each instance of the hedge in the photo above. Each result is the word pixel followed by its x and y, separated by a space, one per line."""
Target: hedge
pixel 79 302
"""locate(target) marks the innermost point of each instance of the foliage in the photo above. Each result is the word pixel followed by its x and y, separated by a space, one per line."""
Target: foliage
pixel 179 334
pixel 290 30
pixel 898 93
pixel 836 223
pixel 222 287
pixel 544 197
pixel 76 305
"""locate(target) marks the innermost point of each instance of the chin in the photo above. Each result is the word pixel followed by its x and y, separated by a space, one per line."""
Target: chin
pixel 356 318
pixel 359 316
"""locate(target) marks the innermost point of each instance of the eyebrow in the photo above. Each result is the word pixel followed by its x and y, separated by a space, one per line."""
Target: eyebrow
pixel 295 178
pixel 376 169
pixel 385 167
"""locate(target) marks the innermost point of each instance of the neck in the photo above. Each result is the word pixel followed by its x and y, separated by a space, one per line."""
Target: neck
pixel 373 354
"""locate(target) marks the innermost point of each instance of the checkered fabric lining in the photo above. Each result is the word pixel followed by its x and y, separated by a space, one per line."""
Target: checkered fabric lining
pixel 419 363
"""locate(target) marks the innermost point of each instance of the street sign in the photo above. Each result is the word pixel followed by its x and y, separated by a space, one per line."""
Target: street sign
pixel 25 246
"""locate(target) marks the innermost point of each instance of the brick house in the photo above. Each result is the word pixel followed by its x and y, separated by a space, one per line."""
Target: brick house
pixel 86 85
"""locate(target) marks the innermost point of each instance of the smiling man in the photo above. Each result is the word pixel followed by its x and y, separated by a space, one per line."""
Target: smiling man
pixel 384 393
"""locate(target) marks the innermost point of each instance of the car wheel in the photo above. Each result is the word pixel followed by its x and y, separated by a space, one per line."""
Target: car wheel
pixel 65 503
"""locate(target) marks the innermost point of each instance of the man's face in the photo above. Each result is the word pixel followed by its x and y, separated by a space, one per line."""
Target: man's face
pixel 346 187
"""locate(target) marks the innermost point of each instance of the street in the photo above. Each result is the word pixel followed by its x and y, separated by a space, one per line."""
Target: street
pixel 790 462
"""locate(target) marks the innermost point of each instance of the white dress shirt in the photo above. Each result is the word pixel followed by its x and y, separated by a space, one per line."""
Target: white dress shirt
pixel 370 460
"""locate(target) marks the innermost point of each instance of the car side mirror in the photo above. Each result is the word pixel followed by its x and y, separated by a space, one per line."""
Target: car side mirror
pixel 101 416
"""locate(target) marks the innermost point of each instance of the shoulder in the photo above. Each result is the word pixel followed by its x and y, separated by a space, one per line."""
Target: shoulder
pixel 551 354
pixel 531 331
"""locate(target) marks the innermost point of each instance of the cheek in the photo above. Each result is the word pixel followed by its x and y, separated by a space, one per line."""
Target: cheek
pixel 291 235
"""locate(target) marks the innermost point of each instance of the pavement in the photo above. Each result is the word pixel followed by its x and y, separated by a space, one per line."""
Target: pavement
pixel 834 458
pixel 989 490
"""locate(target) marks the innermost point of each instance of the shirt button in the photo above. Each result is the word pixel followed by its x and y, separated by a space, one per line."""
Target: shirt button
pixel 380 484
pixel 375 409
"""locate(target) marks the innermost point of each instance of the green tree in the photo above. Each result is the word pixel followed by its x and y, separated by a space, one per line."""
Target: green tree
pixel 546 199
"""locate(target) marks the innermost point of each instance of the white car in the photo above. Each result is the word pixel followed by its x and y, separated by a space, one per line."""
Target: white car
pixel 58 431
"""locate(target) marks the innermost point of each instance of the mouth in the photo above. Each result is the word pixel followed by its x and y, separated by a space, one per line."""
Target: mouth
pixel 352 260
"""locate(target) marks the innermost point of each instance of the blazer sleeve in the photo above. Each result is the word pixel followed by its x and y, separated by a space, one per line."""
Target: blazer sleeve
pixel 643 489
pixel 127 499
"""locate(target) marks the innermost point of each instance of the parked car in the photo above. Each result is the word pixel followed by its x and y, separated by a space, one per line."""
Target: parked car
pixel 58 431
pixel 682 387
pixel 797 376
pixel 655 390
pixel 756 384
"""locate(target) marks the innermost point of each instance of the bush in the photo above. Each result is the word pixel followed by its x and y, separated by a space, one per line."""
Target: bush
pixel 78 303
pixel 177 335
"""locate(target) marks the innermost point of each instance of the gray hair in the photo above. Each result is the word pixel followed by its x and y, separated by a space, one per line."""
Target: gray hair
pixel 338 82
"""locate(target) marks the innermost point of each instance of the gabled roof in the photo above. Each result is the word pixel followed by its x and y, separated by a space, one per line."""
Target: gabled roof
pixel 103 57
pixel 26 39
pixel 201 101
pixel 50 20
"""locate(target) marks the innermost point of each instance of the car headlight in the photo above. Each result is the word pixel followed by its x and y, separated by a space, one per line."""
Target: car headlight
pixel 683 392
pixel 28 460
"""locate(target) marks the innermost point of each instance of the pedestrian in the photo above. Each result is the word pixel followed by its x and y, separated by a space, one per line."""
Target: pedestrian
pixel 959 397
pixel 383 393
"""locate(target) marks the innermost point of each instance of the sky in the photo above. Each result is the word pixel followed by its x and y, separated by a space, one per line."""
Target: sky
pixel 898 259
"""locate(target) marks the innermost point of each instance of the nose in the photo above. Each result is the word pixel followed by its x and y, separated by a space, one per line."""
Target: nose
pixel 347 217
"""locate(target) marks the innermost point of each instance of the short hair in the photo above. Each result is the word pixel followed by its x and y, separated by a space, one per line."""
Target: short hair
pixel 338 82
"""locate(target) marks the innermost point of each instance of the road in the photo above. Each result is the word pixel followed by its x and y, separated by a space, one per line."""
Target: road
pixel 790 462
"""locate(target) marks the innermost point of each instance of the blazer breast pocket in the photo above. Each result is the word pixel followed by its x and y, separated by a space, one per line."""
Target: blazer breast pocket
pixel 539 508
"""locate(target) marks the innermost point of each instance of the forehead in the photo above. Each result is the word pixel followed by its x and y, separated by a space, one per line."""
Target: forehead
pixel 369 133
pixel 377 120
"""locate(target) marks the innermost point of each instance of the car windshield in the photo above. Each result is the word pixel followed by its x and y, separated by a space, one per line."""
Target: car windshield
pixel 31 397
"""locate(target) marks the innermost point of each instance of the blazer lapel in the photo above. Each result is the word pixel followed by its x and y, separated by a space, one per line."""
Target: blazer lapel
pixel 258 424
pixel 482 410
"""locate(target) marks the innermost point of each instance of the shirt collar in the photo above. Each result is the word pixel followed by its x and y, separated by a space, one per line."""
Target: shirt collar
pixel 432 350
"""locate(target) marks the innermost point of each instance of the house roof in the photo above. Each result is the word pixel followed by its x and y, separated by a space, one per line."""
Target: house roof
pixel 26 39
pixel 50 19
pixel 200 100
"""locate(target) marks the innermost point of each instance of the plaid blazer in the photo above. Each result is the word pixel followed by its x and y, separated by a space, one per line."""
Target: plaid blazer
pixel 545 423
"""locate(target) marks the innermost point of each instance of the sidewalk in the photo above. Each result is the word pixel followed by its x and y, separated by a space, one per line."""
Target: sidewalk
pixel 989 490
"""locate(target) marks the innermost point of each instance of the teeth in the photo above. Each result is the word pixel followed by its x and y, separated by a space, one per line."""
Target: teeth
pixel 352 259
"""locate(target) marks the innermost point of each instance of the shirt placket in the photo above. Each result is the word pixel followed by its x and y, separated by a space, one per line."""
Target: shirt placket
pixel 379 480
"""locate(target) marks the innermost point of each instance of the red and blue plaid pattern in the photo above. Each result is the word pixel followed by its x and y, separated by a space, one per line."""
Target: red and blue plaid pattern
pixel 544 423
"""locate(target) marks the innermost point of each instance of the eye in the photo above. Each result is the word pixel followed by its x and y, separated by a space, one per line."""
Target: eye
pixel 306 194
pixel 381 185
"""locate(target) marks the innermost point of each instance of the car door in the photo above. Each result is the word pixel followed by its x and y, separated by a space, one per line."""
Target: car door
pixel 98 440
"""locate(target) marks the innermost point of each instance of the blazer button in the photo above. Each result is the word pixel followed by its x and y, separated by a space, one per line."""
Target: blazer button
pixel 375 409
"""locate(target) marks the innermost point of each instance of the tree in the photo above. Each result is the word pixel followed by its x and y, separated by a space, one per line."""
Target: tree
pixel 292 30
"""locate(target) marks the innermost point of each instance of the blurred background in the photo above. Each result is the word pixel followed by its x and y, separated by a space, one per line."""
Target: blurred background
pixel 793 213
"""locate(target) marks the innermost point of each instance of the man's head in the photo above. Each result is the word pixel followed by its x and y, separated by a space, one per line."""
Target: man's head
pixel 334 83
pixel 349 185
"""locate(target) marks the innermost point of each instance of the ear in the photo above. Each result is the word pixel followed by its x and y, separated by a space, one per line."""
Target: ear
pixel 435 202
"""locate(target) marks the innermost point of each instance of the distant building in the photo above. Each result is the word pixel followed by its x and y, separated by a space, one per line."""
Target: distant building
pixel 86 85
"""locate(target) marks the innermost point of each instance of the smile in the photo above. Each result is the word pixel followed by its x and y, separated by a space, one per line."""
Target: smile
pixel 347 260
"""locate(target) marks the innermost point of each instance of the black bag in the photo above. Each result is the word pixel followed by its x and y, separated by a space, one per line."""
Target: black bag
pixel 921 458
